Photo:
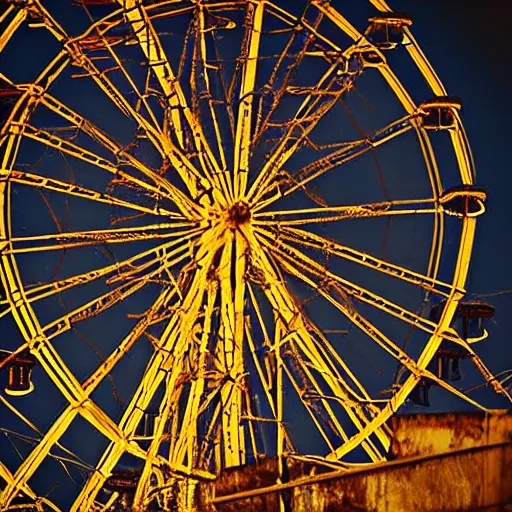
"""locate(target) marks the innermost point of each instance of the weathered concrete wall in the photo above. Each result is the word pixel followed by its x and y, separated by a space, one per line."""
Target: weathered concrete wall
pixel 462 482
pixel 441 463
pixel 425 434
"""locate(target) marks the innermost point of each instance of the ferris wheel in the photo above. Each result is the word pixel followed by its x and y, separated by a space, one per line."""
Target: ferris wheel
pixel 228 230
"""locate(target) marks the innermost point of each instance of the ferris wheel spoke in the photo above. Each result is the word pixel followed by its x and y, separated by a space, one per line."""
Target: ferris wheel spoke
pixel 224 179
pixel 107 300
pixel 283 70
pixel 122 270
pixel 336 17
pixel 311 391
pixel 165 188
pixel 71 189
pixel 209 450
pixel 309 386
pixel 172 345
pixel 250 50
pixel 327 352
pixel 92 308
pixel 196 402
pixel 192 178
pixel 74 459
pixel 330 358
pixel 69 148
pixel 150 44
pixel 284 305
pixel 280 333
pixel 66 240
pixel 8 10
pixel 270 388
pixel 62 423
pixel 317 404
pixel 266 381
pixel 166 409
pixel 333 248
pixel 47 20
pixel 139 330
pixel 75 52
pixel 63 461
pixel 298 337
pixel 490 378
pixel 13 24
pixel 229 348
pixel 293 22
pixel 354 390
pixel 350 151
pixel 267 384
pixel 103 41
pixel 318 102
pixel 347 308
pixel 126 270
pixel 313 414
pixel 7 477
pixel 294 259
pixel 227 91
pixel 337 213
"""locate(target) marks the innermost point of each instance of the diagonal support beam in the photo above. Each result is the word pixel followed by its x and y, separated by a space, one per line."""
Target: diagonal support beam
pixel 150 44
pixel 173 343
pixel 254 24
pixel 283 303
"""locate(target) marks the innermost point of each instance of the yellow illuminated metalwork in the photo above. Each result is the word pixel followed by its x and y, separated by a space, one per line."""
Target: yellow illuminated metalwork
pixel 237 247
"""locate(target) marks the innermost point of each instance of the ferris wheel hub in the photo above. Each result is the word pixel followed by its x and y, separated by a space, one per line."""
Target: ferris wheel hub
pixel 238 214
